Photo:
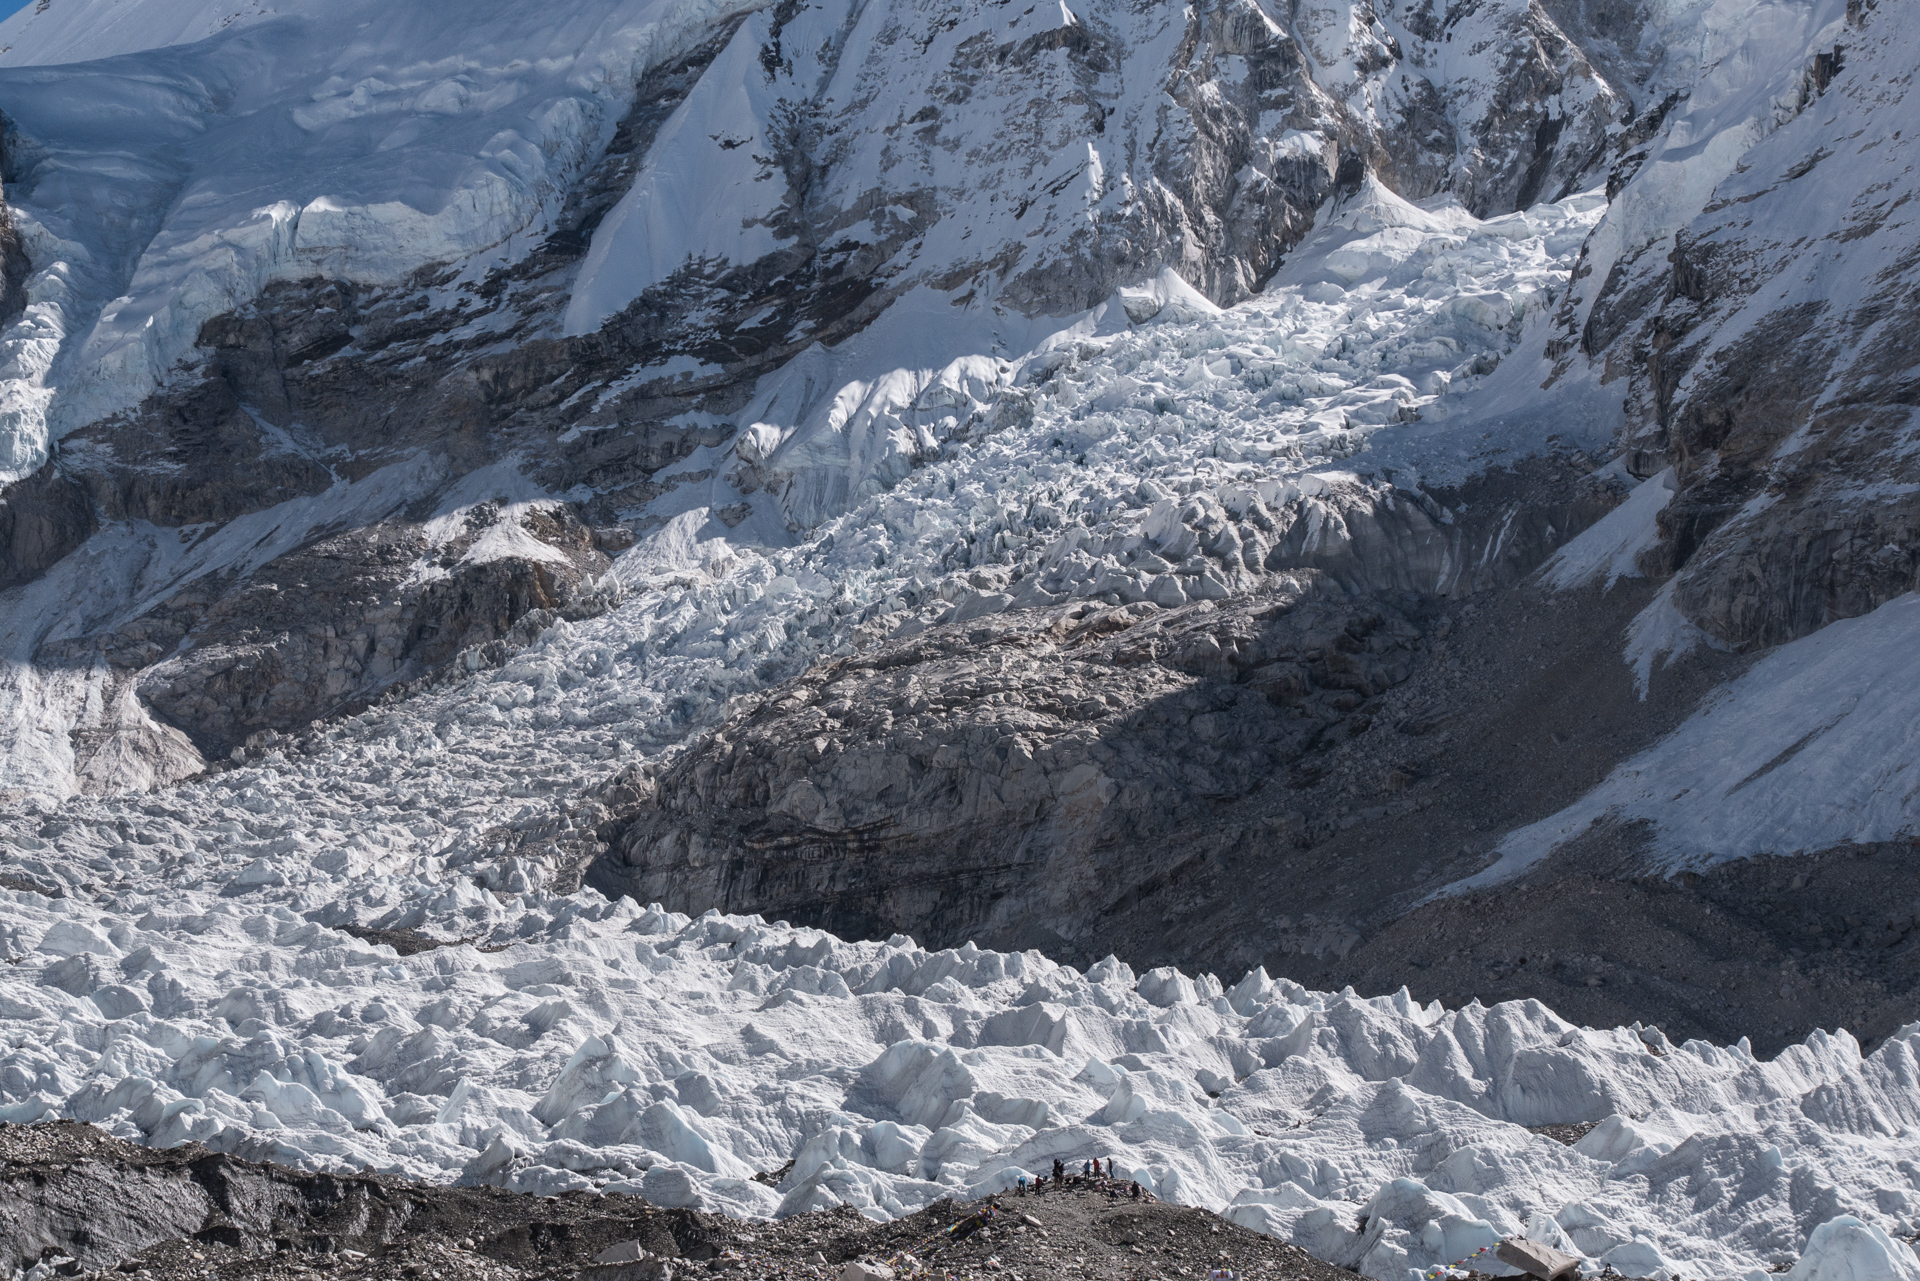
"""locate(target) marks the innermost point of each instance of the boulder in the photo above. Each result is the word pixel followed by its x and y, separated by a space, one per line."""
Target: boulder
pixel 627 1261
pixel 1538 1260
pixel 625 1252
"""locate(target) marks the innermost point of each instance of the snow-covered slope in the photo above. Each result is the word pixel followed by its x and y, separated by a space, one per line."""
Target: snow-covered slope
pixel 1765 254
pixel 1814 747
pixel 202 151
pixel 363 141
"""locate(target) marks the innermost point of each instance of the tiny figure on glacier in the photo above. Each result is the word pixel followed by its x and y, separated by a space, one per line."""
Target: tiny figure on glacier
pixel 1135 1194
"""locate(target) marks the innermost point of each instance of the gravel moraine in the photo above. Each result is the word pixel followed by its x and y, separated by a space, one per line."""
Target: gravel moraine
pixel 75 1202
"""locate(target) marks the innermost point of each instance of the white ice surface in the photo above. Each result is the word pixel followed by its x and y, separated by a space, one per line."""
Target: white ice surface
pixel 1606 551
pixel 1844 1249
pixel 1387 369
pixel 614 1047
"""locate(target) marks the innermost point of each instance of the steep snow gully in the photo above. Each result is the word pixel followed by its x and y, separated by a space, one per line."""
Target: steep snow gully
pixel 389 367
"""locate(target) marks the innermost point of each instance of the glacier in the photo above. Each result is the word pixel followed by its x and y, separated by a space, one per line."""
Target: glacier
pixel 194 982
pixel 568 1042
pixel 180 966
pixel 1401 357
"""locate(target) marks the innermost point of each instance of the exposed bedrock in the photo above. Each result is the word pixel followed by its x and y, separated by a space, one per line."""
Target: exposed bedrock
pixel 70 1193
pixel 324 629
pixel 1489 532
pixel 307 545
pixel 14 261
pixel 1766 347
pixel 1537 128
pixel 1773 539
pixel 42 518
pixel 1038 777
pixel 971 782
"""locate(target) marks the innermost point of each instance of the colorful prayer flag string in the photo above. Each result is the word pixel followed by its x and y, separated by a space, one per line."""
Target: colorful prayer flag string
pixel 1439 1269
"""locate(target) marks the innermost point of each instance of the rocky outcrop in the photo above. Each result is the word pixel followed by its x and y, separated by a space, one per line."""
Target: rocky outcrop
pixel 1765 342
pixel 77 1199
pixel 1489 532
pixel 328 628
pixel 72 1199
pixel 1493 103
pixel 42 519
pixel 1033 778
pixel 14 262
pixel 1767 948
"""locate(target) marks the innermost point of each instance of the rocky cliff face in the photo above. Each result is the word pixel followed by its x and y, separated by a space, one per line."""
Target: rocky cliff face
pixel 1764 340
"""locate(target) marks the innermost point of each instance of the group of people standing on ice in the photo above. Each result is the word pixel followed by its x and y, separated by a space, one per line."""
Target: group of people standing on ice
pixel 1103 1179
